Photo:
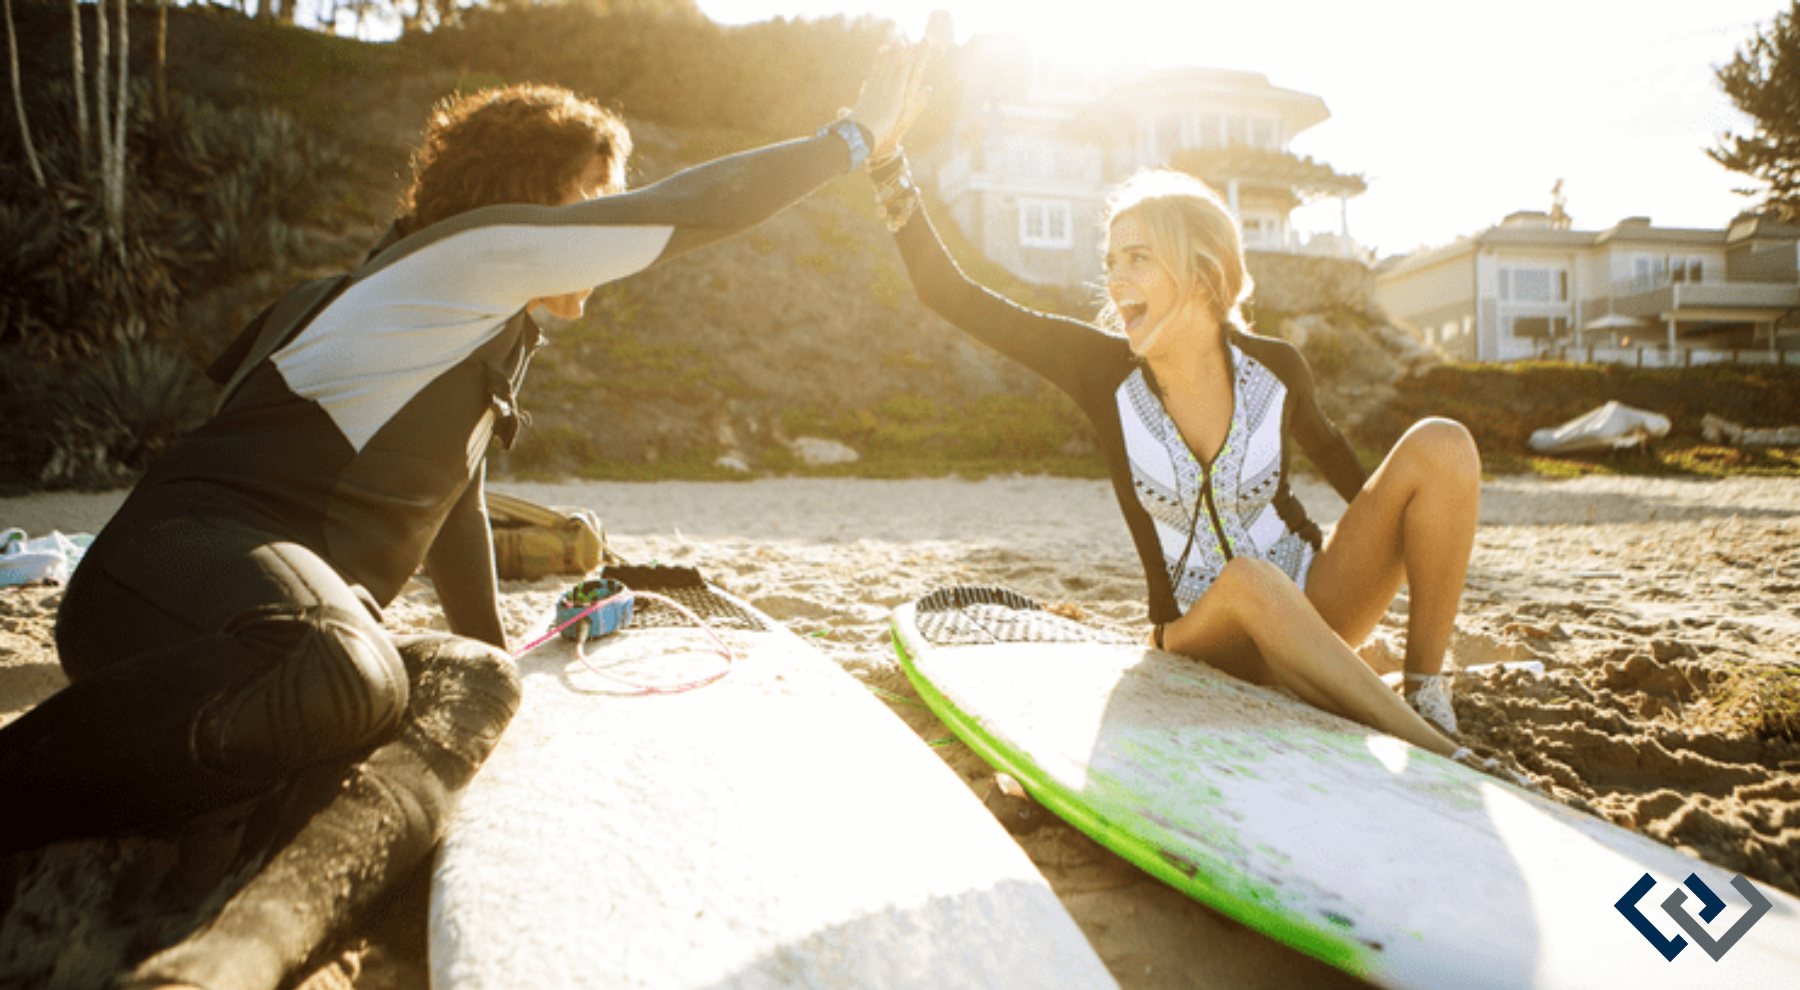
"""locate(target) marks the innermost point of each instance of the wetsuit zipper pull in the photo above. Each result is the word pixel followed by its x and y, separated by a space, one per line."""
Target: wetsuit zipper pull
pixel 1212 511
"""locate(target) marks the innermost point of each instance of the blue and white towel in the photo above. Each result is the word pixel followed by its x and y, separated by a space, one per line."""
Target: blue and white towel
pixel 48 558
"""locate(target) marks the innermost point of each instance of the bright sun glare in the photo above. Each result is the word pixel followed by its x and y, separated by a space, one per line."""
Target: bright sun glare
pixel 1456 114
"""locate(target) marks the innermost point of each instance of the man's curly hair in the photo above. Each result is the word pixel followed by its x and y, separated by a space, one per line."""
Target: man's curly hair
pixel 526 143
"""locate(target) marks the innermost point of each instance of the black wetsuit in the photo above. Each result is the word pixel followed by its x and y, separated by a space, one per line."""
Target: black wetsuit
pixel 1186 518
pixel 222 634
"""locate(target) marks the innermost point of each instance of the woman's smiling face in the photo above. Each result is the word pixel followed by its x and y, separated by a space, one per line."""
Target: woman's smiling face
pixel 1141 289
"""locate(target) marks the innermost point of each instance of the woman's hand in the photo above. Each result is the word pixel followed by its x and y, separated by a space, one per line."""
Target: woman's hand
pixel 894 96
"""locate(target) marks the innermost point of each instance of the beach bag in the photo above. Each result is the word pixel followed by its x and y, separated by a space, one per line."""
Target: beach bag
pixel 533 541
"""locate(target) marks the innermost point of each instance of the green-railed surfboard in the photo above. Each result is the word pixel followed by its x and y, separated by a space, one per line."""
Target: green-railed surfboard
pixel 1391 863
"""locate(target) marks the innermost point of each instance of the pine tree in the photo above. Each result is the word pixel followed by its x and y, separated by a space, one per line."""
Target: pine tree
pixel 1764 81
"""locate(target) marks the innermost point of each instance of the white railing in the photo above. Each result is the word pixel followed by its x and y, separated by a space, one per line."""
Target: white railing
pixel 1314 244
pixel 1656 356
pixel 1659 280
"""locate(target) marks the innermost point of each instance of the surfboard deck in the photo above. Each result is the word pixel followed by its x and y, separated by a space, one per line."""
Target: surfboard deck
pixel 777 828
pixel 1389 862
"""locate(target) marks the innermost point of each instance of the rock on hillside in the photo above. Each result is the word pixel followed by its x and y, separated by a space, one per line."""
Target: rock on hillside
pixel 1357 362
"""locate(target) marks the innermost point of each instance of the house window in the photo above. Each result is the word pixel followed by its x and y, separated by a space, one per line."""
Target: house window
pixel 1652 270
pixel 1044 224
pixel 1539 327
pixel 1260 232
pixel 1537 285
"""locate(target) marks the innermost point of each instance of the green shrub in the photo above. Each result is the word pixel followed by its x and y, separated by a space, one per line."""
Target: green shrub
pixel 1502 405
pixel 111 420
pixel 550 452
pixel 887 286
pixel 823 262
pixel 1762 702
pixel 1328 355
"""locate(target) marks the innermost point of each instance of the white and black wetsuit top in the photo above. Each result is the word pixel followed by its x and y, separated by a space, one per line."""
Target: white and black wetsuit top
pixel 1186 518
pixel 363 438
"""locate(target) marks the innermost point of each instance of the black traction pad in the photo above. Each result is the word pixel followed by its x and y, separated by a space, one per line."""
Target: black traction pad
pixel 968 615
pixel 684 586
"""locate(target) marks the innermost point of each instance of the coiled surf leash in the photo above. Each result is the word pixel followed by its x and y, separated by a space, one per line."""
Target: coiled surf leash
pixel 599 607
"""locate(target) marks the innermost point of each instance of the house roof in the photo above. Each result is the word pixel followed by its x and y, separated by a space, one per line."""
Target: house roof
pixel 1116 116
pixel 1194 85
pixel 1532 230
pixel 1637 230
pixel 1755 227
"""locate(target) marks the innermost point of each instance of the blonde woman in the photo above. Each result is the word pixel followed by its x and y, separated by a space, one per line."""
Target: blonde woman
pixel 1198 419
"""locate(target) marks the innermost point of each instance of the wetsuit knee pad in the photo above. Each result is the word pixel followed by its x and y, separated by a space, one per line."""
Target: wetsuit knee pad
pixel 328 682
pixel 464 693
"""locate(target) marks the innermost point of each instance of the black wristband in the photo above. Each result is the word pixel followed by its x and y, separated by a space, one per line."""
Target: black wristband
pixel 885 170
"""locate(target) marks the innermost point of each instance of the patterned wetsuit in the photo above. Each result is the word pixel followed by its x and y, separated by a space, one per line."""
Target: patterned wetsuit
pixel 1185 517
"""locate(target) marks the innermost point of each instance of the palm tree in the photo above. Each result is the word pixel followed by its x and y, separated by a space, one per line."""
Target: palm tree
pixel 112 126
pixel 162 66
pixel 12 46
pixel 115 179
pixel 77 56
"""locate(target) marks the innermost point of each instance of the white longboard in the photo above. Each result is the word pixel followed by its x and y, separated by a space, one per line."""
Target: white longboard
pixel 1391 863
pixel 776 828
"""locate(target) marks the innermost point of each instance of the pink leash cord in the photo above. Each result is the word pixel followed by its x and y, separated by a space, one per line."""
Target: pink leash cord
pixel 641 689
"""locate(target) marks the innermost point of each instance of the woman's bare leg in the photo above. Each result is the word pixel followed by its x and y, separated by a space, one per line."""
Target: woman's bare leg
pixel 1255 624
pixel 1414 522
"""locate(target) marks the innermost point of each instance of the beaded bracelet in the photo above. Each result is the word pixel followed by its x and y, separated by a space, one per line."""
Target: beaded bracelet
pixel 896 195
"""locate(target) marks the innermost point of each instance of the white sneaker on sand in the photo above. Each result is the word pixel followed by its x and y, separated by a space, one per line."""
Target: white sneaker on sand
pixel 1429 695
pixel 1494 768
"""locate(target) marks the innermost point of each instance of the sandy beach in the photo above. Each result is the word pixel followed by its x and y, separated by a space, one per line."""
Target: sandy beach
pixel 1642 599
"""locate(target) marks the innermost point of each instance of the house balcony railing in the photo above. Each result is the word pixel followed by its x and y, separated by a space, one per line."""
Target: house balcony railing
pixel 1650 283
pixel 1657 356
pixel 1650 298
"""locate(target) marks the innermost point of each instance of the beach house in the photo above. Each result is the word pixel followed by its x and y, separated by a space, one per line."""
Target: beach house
pixel 1040 139
pixel 1636 293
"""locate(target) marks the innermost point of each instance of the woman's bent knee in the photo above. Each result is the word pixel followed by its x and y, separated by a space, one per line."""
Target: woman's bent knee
pixel 1446 445
pixel 1249 587
pixel 1252 576
pixel 1434 453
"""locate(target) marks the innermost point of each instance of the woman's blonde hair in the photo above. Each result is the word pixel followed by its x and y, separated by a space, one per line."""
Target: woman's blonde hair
pixel 1193 236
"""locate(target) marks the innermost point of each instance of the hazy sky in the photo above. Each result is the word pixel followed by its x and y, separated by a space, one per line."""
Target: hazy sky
pixel 1457 113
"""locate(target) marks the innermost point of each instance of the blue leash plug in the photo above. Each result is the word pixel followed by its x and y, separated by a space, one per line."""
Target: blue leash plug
pixel 603 621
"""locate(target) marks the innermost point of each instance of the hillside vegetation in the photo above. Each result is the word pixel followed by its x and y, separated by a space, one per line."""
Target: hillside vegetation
pixel 1503 404
pixel 288 150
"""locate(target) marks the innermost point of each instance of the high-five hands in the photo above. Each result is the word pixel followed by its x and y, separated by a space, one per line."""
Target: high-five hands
pixel 893 96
